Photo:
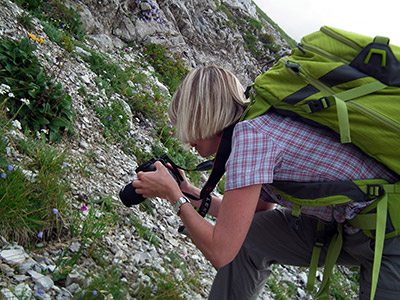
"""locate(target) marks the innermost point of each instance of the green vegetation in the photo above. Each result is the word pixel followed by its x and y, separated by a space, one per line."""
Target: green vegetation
pixel 292 43
pixel 171 68
pixel 29 94
pixel 55 13
pixel 32 192
pixel 257 42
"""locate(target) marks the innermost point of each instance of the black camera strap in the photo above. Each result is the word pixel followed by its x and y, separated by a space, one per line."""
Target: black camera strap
pixel 217 166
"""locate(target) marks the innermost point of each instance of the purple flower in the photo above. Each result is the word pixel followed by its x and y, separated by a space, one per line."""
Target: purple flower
pixel 109 118
pixel 94 293
pixel 3 175
pixel 9 167
pixel 40 292
pixel 83 208
pixel 64 164
pixel 40 235
pixel 55 211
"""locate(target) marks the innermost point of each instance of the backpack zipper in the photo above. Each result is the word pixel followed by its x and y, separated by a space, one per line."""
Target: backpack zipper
pixel 334 35
pixel 323 53
pixel 299 71
pixel 373 115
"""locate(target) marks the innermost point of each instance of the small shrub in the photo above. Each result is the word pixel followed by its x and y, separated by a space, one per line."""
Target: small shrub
pixel 57 14
pixel 34 99
pixel 171 68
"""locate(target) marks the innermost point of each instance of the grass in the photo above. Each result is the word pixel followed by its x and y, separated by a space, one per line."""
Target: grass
pixel 30 191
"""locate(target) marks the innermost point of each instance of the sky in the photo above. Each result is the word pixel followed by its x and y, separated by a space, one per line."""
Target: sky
pixel 368 17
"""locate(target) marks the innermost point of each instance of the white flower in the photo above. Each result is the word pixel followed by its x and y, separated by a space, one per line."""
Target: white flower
pixel 16 124
pixel 26 101
pixel 11 95
pixel 4 89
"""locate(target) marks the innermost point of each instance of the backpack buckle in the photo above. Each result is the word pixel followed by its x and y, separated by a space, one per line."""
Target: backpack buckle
pixel 376 190
pixel 317 105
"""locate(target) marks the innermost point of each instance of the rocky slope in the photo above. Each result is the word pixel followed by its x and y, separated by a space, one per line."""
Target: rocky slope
pixel 202 32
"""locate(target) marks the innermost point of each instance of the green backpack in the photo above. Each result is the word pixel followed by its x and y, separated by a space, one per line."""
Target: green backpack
pixel 351 84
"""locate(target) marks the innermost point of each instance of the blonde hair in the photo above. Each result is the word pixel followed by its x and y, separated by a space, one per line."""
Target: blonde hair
pixel 208 100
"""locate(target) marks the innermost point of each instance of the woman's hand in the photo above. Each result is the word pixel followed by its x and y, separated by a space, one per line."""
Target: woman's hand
pixel 159 183
pixel 185 186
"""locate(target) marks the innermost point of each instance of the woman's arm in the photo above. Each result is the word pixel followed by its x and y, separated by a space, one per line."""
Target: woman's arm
pixel 220 243
pixel 215 201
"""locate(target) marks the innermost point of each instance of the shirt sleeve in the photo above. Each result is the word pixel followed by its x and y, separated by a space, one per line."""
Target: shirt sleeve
pixel 254 158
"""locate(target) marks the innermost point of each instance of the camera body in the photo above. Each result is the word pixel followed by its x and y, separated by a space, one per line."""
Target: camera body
pixel 128 194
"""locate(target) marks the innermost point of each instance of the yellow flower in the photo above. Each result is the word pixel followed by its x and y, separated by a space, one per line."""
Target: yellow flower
pixel 39 40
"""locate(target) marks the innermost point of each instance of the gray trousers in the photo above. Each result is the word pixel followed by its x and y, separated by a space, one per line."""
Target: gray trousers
pixel 272 240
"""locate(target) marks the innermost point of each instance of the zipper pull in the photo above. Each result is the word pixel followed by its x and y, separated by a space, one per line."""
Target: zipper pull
pixel 294 66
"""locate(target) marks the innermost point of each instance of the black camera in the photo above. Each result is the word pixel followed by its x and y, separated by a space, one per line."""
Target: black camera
pixel 128 194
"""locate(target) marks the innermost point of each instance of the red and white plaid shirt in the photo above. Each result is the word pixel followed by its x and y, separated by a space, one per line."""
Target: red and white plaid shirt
pixel 272 147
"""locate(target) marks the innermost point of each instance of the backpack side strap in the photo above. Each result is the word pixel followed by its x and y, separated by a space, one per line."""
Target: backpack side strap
pixel 389 200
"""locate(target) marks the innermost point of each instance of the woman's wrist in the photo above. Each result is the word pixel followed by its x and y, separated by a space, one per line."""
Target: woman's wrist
pixel 189 189
pixel 174 195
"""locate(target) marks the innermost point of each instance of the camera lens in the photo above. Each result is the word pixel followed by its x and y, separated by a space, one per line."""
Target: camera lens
pixel 129 196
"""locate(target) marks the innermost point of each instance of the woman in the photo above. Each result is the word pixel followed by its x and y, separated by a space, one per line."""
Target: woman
pixel 249 235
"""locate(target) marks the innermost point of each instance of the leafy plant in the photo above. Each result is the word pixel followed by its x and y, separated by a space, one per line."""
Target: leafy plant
pixel 170 67
pixel 59 37
pixel 57 14
pixel 34 99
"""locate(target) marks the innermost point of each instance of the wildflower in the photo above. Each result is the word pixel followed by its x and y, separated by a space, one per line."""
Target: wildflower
pixel 41 40
pixel 3 175
pixel 94 293
pixel 171 133
pixel 16 124
pixel 40 235
pixel 55 211
pixel 40 292
pixel 84 208
pixel 26 101
pixel 65 164
pixel 10 167
pixel 4 89
pixel 11 95
pixel 108 118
